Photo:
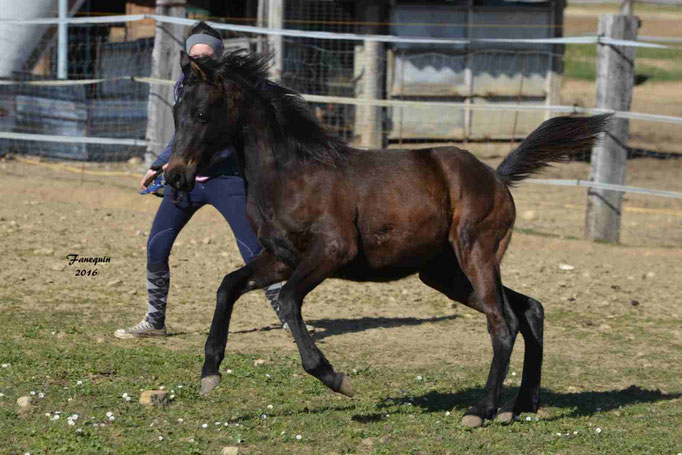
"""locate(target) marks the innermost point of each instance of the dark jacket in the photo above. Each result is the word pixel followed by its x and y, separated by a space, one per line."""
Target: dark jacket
pixel 225 165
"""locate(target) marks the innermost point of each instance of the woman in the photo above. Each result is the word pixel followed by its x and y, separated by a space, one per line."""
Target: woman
pixel 219 185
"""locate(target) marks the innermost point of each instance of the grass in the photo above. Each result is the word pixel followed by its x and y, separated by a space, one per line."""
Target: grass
pixel 393 411
pixel 657 64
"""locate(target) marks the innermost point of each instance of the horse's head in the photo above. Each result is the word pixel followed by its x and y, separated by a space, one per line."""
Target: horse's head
pixel 206 117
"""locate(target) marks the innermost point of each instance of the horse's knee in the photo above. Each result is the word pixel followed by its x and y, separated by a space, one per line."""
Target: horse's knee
pixel 227 287
pixel 287 305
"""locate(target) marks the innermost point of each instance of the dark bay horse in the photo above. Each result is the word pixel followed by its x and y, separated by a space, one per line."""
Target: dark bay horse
pixel 324 209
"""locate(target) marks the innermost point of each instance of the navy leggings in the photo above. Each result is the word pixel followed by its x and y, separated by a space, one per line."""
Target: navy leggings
pixel 225 193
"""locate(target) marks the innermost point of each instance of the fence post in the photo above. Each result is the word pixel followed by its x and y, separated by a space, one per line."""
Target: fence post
pixel 168 41
pixel 370 132
pixel 62 41
pixel 615 79
pixel 276 42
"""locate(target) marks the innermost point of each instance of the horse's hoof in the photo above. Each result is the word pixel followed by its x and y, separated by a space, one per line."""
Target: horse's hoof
pixel 209 383
pixel 346 386
pixel 505 417
pixel 472 421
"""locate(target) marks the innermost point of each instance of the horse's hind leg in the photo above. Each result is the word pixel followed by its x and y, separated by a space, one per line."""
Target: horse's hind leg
pixel 262 271
pixel 445 275
pixel 531 317
pixel 476 283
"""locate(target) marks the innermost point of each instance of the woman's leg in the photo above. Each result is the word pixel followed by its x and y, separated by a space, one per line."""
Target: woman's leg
pixel 228 196
pixel 168 222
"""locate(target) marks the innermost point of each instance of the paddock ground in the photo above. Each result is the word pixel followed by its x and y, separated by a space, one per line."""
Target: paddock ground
pixel 613 334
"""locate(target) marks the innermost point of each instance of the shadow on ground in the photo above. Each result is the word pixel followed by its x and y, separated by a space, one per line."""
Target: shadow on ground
pixel 328 327
pixel 575 404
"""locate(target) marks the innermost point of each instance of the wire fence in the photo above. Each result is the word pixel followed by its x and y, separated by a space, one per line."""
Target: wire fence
pixel 433 90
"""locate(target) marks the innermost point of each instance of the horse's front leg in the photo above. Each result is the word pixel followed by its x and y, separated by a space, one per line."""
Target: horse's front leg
pixel 319 262
pixel 263 271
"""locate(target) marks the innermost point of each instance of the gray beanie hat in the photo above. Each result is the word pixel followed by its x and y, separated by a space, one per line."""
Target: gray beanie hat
pixel 201 38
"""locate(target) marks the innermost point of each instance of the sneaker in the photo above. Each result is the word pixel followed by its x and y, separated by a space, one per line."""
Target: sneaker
pixel 143 329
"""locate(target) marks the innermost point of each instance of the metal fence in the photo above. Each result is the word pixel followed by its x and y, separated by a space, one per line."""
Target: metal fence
pixel 441 90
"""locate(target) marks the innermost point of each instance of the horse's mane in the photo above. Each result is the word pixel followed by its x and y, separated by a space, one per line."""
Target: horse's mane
pixel 299 134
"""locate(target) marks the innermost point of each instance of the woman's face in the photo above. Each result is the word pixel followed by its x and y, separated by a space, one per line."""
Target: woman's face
pixel 201 50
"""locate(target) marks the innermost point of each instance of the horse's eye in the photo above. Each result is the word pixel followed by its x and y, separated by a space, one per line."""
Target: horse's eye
pixel 202 117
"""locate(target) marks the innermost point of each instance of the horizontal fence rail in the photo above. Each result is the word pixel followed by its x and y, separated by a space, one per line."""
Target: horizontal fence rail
pixel 389 103
pixel 593 39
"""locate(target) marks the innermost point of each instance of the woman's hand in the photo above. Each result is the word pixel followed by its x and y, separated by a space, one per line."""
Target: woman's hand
pixel 150 176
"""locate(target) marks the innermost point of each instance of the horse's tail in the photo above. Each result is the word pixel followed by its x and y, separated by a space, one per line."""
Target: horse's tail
pixel 555 140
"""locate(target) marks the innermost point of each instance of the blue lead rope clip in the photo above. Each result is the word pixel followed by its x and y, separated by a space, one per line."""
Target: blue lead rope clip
pixel 159 183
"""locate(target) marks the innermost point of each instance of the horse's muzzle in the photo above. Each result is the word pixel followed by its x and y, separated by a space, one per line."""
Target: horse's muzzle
pixel 181 181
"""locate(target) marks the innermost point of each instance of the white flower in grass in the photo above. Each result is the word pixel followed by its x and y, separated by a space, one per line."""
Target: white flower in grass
pixel 282 433
pixel 528 419
pixel 558 434
pixel 32 392
pixel 180 419
pixel 180 387
pixel 447 413
pixel 299 437
pixel 160 438
pixel 419 378
pixel 125 395
pixel 41 395
pixel 204 425
pixel 270 406
pixel 109 414
pixel 112 418
pixel 2 394
pixel 5 365
pixel 513 373
pixel 79 430
pixel 55 417
pixel 597 430
pixel 162 387
pixel 70 399
pixel 71 422
pixel 229 372
pixel 218 423
pixel 79 382
pixel 74 417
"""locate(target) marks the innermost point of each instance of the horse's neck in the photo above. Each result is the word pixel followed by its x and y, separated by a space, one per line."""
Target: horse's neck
pixel 260 164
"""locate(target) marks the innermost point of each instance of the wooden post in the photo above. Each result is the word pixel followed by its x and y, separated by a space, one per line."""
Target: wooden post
pixel 168 41
pixel 276 42
pixel 615 79
pixel 368 125
pixel 626 7
pixel 262 21
pixel 555 60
